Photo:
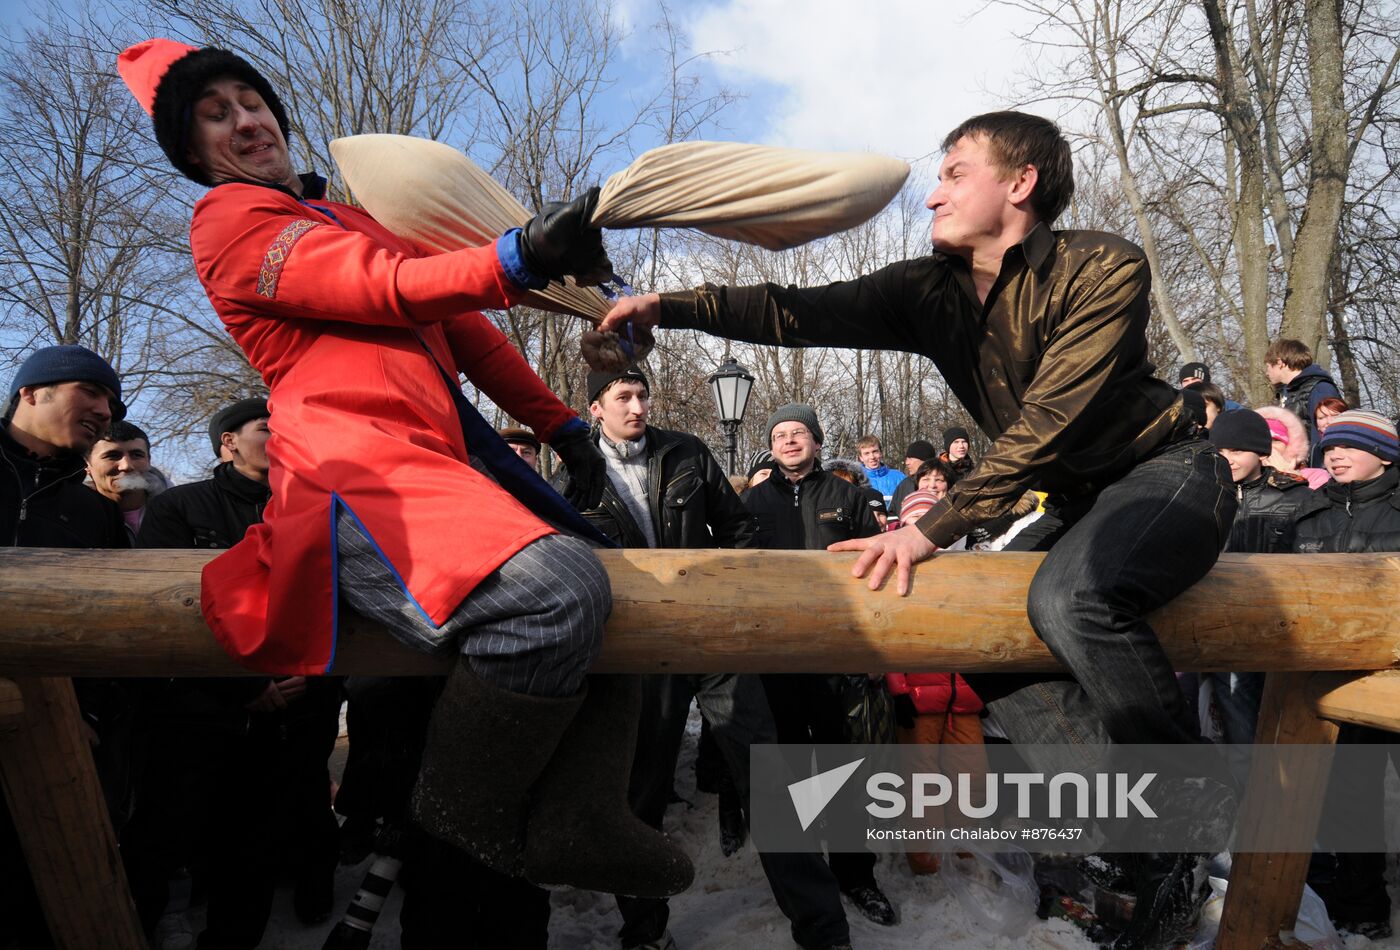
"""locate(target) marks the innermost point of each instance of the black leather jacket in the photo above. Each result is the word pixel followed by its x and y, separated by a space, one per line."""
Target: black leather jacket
pixel 692 504
pixel 1268 506
pixel 1354 518
pixel 809 514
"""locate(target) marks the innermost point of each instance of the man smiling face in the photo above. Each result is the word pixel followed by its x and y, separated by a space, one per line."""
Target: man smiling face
pixel 63 418
pixel 235 136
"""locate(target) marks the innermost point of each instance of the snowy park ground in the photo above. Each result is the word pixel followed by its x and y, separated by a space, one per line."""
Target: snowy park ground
pixel 730 904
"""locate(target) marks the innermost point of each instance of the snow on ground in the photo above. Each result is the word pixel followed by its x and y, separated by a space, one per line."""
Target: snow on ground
pixel 730 903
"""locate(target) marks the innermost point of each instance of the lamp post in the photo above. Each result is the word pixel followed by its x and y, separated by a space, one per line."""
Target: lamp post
pixel 731 384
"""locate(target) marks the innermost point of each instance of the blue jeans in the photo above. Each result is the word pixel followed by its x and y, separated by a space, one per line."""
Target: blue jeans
pixel 1114 558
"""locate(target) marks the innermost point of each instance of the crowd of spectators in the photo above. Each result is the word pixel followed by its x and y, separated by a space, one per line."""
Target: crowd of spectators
pixel 221 787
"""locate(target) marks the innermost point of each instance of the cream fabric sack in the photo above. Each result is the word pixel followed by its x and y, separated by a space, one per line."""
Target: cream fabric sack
pixel 436 197
pixel 776 198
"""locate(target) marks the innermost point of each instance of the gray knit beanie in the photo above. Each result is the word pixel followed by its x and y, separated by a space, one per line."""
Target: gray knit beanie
pixel 796 412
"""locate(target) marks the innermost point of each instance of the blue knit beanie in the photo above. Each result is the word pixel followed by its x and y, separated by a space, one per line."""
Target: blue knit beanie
pixel 1365 430
pixel 66 364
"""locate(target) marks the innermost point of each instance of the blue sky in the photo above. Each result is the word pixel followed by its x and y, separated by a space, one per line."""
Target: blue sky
pixel 890 76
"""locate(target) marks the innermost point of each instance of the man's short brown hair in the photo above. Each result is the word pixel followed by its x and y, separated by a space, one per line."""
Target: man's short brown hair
pixel 869 442
pixel 1017 139
pixel 1291 353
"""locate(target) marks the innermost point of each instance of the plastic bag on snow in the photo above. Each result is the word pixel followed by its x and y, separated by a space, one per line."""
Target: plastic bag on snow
pixel 1314 928
pixel 997 889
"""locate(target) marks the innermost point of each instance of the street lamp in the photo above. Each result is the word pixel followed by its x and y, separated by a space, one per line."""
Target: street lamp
pixel 731 384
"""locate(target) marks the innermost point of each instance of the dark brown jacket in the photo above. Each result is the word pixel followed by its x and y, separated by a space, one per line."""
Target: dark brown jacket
pixel 1054 367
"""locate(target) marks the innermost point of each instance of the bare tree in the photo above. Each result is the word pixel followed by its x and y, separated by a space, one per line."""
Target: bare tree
pixel 92 252
pixel 346 67
pixel 1236 128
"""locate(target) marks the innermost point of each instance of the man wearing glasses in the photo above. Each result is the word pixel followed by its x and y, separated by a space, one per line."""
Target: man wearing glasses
pixel 802 507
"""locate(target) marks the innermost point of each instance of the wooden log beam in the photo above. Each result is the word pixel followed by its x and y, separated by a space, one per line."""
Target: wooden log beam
pixel 1368 699
pixel 1266 888
pixel 61 820
pixel 136 613
pixel 11 706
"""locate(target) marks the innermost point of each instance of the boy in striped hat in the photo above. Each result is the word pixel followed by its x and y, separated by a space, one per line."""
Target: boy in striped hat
pixel 1356 513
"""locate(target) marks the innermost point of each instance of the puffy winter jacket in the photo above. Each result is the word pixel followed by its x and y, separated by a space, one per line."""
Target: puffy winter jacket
pixel 44 503
pixel 691 501
pixel 214 513
pixel 809 514
pixel 1351 518
pixel 1304 392
pixel 1268 506
pixel 935 693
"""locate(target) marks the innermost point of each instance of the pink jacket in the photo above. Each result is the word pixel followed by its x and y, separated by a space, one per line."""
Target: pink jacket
pixel 935 693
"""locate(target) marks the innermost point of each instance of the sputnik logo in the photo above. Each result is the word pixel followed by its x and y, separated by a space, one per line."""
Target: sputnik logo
pixel 811 795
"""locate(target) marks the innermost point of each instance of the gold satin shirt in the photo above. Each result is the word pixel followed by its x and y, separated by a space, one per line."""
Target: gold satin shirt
pixel 1053 366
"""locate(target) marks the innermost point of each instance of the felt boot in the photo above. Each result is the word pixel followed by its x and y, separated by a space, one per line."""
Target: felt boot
pixel 581 831
pixel 486 748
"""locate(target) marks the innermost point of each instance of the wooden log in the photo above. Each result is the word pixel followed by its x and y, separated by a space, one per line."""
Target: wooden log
pixel 1266 888
pixel 1369 699
pixel 11 706
pixel 61 820
pixel 136 613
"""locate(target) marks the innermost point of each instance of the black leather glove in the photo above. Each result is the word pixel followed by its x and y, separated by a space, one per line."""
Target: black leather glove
pixel 905 712
pixel 588 470
pixel 559 241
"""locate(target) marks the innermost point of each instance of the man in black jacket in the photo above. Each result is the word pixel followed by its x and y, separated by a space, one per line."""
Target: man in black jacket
pixel 238 775
pixel 802 507
pixel 1042 336
pixel 60 402
pixel 216 512
pixel 1299 383
pixel 666 490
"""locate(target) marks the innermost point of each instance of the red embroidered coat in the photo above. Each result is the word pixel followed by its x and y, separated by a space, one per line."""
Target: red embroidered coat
pixel 348 326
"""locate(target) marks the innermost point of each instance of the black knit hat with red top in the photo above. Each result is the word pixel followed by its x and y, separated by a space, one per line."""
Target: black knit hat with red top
pixel 168 78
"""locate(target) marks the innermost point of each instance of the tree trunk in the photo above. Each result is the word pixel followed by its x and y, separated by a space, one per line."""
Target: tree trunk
pixel 1305 302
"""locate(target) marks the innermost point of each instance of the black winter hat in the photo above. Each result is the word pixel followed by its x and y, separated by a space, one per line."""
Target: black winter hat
pixel 952 434
pixel 1199 370
pixel 513 435
pixel 797 412
pixel 66 364
pixel 1243 430
pixel 234 417
pixel 600 379
pixel 179 90
pixel 760 460
pixel 922 450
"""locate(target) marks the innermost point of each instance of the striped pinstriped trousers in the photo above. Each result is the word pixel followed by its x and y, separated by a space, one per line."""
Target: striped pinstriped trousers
pixel 534 625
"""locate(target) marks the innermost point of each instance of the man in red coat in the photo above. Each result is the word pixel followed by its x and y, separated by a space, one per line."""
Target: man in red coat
pixel 360 337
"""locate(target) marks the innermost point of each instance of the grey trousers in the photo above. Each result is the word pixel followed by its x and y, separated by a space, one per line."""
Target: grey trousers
pixel 534 625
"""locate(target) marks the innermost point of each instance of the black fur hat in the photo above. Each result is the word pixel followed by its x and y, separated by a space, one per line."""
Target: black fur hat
pixel 179 90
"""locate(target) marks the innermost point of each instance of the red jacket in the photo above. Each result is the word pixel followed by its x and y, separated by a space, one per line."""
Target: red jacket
pixel 935 693
pixel 352 330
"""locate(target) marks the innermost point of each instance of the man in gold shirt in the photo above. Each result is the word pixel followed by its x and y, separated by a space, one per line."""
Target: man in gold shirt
pixel 1041 334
